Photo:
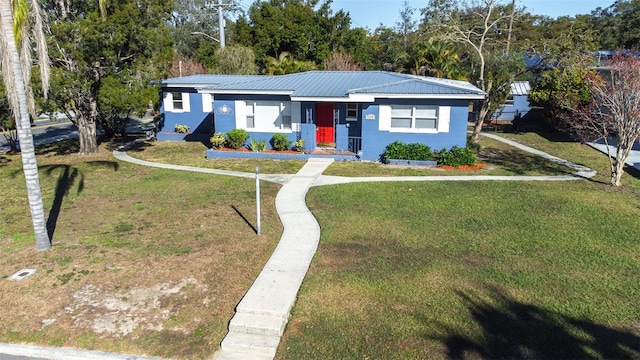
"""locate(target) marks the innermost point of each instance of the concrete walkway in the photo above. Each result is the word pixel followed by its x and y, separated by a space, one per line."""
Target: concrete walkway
pixel 634 153
pixel 262 314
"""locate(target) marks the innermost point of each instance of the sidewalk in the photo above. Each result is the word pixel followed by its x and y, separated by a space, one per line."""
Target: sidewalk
pixel 634 154
pixel 261 315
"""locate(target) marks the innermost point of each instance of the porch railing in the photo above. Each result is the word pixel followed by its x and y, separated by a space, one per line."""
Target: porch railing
pixel 355 144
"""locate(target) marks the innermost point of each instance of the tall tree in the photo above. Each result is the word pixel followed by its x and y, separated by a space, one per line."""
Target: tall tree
pixel 15 21
pixel 235 59
pixel 128 42
pixel 613 113
pixel 560 89
pixel 478 26
pixel 406 26
pixel 305 29
pixel 387 49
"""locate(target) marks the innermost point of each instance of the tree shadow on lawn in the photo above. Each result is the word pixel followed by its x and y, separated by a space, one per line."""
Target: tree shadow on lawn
pixel 534 122
pixel 521 163
pixel 4 160
pixel 66 179
pixel 64 147
pixel 515 330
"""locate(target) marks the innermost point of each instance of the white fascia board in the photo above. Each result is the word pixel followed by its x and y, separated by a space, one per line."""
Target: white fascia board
pixel 247 92
pixel 370 98
pixel 443 97
pixel 182 86
pixel 350 99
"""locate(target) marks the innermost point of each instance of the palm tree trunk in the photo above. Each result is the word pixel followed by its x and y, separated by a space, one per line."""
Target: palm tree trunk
pixel 11 62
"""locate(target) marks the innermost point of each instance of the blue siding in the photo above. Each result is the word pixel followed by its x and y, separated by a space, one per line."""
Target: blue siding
pixel 374 141
pixel 308 134
pixel 224 122
pixel 200 123
pixel 520 105
pixel 342 137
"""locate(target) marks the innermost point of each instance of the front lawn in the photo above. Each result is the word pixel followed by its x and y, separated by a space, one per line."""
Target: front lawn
pixel 473 270
pixel 153 261
pixel 144 260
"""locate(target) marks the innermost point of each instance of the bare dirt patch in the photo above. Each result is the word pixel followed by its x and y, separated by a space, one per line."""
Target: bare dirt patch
pixel 144 261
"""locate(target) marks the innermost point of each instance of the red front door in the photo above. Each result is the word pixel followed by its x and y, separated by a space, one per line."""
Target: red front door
pixel 324 124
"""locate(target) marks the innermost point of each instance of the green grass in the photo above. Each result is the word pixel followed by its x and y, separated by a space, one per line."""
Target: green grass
pixel 473 270
pixel 193 154
pixel 433 270
pixel 122 230
pixel 499 158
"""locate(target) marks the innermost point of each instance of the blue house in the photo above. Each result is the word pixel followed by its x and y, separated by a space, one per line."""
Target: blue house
pixel 517 103
pixel 358 111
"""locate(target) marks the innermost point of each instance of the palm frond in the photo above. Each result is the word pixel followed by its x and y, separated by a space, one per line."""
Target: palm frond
pixel 7 70
pixel 40 41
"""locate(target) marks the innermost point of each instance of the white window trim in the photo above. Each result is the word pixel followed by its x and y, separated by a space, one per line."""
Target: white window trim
pixel 207 103
pixel 241 117
pixel 168 103
pixel 510 102
pixel 352 118
pixel 442 123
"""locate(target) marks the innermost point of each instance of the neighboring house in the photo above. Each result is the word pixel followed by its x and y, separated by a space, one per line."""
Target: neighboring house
pixel 517 103
pixel 359 111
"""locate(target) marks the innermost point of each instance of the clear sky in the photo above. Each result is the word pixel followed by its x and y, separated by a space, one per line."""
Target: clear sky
pixel 370 13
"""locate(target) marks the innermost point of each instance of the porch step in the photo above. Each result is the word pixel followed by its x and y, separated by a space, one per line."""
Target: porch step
pixel 254 346
pixel 331 151
pixel 257 324
pixel 223 355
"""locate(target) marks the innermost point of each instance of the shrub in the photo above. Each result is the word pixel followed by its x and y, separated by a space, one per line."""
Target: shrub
pixel 181 129
pixel 456 156
pixel 401 151
pixel 258 145
pixel 217 140
pixel 236 138
pixel 299 145
pixel 417 151
pixel 280 142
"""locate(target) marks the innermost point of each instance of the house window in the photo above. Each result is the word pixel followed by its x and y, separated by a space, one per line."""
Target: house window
pixel 414 117
pixel 177 101
pixel 509 101
pixel 268 115
pixel 352 112
pixel 251 120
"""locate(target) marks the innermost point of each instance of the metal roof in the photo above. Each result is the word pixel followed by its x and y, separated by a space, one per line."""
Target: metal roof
pixel 331 84
pixel 520 88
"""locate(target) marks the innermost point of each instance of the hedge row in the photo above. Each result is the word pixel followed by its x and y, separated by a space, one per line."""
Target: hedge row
pixel 454 157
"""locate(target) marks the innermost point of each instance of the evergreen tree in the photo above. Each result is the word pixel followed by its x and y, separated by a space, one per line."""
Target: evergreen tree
pixel 105 59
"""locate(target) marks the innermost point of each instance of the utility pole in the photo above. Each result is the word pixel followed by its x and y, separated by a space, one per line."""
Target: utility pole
pixel 220 9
